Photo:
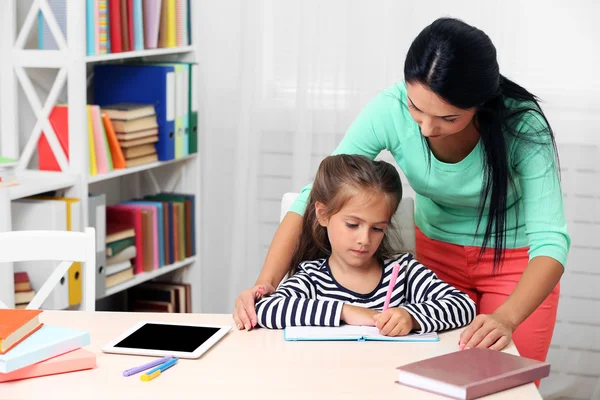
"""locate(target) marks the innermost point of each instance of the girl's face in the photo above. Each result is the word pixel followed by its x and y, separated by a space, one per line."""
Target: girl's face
pixel 438 120
pixel 356 231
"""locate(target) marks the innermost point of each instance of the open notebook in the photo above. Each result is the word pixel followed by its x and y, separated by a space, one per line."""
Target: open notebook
pixel 350 332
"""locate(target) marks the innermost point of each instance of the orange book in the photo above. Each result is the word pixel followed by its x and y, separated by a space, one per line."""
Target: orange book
pixel 115 148
pixel 16 325
pixel 76 360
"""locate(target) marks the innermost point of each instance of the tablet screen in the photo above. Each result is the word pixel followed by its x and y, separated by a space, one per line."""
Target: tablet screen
pixel 168 337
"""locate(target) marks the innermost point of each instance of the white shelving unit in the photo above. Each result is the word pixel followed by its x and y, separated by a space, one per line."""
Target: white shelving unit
pixel 73 65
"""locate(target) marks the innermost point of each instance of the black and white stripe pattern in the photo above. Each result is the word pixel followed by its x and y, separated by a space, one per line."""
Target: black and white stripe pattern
pixel 313 297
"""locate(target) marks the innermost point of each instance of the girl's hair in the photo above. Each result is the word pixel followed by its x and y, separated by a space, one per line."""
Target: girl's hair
pixel 340 178
pixel 458 63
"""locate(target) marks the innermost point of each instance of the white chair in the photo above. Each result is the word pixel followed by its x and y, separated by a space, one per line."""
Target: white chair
pixel 63 246
pixel 403 222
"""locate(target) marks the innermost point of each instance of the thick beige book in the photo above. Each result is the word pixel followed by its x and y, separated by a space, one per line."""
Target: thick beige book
pixel 138 151
pixel 119 277
pixel 141 160
pixel 133 125
pixel 138 134
pixel 472 373
pixel 137 142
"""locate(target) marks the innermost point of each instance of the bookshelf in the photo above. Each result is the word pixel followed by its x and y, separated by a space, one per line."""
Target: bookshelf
pixel 74 69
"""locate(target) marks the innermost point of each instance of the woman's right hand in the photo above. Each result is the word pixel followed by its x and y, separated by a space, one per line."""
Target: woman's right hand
pixel 244 313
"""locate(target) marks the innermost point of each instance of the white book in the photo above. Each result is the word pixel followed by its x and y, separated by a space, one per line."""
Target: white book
pixel 351 332
pixel 125 255
pixel 116 268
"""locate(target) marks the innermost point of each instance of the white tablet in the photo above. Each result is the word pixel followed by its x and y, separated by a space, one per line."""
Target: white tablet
pixel 153 338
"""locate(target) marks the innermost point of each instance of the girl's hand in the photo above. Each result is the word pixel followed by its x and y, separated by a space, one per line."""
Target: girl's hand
pixel 487 331
pixel 395 322
pixel 244 313
pixel 354 315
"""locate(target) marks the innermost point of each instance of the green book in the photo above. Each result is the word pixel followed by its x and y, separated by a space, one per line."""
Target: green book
pixel 118 246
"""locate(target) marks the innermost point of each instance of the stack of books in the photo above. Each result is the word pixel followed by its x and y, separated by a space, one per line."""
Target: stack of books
pixel 120 251
pixel 136 128
pixel 30 349
pixel 24 293
pixel 166 297
pixel 7 172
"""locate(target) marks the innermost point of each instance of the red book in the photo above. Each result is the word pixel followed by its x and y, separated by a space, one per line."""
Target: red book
pixel 16 326
pixel 75 360
pixel 473 373
pixel 133 218
pixel 114 9
pixel 130 25
pixel 59 119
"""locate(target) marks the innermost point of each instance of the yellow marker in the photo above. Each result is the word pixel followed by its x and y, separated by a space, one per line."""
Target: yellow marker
pixel 158 370
pixel 149 377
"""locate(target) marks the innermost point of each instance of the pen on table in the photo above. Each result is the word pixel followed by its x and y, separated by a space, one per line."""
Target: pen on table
pixel 393 277
pixel 135 370
pixel 148 376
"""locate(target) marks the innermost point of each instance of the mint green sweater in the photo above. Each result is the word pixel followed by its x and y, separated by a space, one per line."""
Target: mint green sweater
pixel 447 195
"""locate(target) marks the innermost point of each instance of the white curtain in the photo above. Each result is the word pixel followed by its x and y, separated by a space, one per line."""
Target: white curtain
pixel 282 80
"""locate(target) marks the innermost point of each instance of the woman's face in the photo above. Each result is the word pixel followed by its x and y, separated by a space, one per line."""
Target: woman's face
pixel 437 119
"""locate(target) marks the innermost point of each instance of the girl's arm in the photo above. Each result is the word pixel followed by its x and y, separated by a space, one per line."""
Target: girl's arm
pixel 295 304
pixel 433 303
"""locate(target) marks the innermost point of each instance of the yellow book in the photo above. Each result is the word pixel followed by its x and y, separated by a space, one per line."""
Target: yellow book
pixel 171 23
pixel 92 149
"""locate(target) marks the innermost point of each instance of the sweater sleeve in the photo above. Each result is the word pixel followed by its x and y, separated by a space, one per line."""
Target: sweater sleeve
pixel 295 304
pixel 435 304
pixel 538 176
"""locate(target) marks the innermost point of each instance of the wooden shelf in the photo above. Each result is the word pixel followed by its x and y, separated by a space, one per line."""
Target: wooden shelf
pixel 127 171
pixel 31 183
pixel 138 54
pixel 146 276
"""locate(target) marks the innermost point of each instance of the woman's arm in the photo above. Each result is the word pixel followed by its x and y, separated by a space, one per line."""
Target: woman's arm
pixel 549 242
pixel 274 269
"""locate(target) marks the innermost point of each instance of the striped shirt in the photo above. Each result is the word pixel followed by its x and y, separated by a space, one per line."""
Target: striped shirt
pixel 312 297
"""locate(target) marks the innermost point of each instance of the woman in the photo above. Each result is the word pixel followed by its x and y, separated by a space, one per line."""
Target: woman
pixel 482 159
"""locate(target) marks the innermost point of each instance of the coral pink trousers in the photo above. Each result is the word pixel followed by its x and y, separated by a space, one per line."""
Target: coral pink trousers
pixel 458 266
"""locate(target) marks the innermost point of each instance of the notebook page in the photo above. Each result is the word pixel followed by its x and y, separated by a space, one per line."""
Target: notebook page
pixel 324 332
pixel 372 332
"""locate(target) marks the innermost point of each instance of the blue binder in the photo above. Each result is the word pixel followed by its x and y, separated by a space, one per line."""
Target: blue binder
pixel 148 84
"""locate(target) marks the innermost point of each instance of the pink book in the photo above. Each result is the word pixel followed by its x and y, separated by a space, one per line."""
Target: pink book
pixel 76 360
pixel 151 22
pixel 152 209
pixel 99 141
pixel 472 373
pixel 179 22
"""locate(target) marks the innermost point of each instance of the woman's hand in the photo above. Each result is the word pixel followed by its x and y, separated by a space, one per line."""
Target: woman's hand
pixel 244 313
pixel 395 322
pixel 354 315
pixel 487 331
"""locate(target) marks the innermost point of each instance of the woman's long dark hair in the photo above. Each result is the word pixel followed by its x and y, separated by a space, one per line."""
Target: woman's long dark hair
pixel 340 178
pixel 458 63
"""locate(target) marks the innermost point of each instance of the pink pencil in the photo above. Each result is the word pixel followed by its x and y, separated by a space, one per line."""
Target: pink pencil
pixel 388 296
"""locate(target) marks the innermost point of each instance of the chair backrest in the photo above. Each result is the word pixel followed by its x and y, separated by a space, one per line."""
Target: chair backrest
pixel 403 222
pixel 63 246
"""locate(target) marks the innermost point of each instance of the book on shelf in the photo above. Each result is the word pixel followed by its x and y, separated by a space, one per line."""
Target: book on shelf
pixel 172 297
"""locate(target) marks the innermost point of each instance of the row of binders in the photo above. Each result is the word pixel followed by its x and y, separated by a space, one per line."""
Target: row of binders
pixel 141 235
pixel 114 26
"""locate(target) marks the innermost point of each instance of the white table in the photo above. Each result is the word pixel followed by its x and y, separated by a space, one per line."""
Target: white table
pixel 244 365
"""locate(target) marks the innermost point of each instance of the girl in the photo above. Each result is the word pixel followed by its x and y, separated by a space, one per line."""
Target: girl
pixel 346 278
pixel 480 154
